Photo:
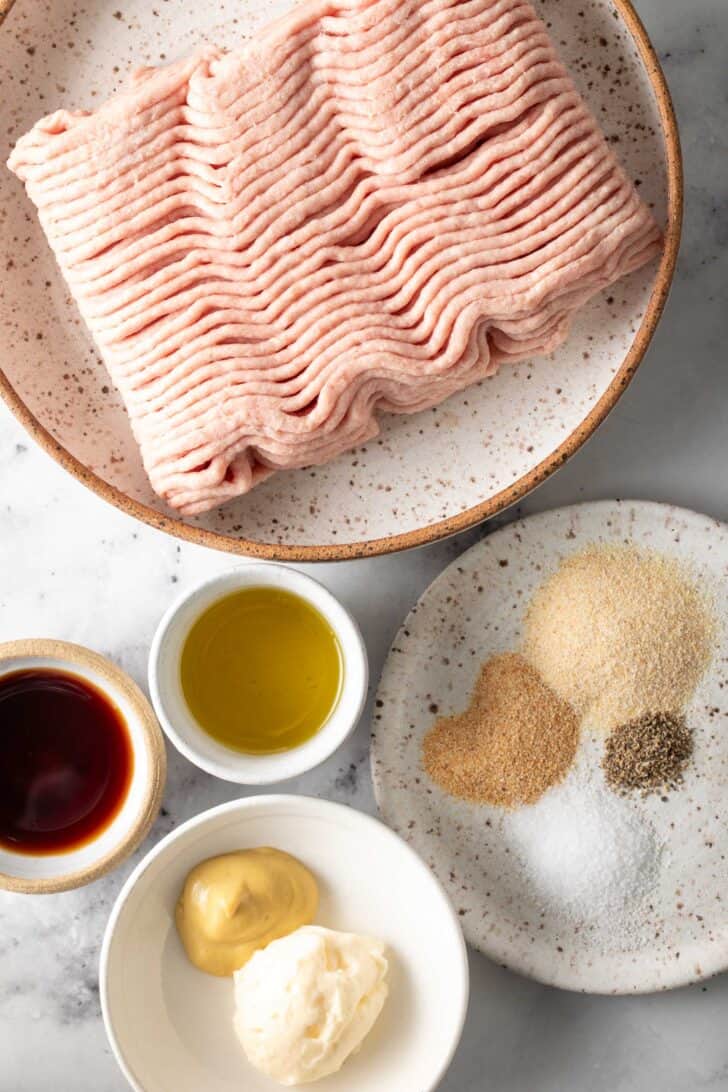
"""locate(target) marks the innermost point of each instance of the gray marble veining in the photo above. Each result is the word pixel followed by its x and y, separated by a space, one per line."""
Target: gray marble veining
pixel 75 568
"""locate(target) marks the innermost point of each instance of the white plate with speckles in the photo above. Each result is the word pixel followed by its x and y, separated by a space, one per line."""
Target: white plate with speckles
pixel 475 609
pixel 426 476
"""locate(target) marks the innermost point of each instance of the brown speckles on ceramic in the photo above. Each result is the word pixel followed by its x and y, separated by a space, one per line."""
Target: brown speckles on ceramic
pixel 425 476
pixel 430 671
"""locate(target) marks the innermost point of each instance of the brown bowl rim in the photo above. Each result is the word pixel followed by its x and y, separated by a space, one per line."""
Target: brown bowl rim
pixel 69 655
pixel 484 510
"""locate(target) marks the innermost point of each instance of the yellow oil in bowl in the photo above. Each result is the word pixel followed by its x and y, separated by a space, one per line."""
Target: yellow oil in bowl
pixel 261 670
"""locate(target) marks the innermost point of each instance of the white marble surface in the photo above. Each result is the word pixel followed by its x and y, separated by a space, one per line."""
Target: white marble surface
pixel 74 568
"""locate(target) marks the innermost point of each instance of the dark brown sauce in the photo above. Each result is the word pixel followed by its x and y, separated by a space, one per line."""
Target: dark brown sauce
pixel 65 761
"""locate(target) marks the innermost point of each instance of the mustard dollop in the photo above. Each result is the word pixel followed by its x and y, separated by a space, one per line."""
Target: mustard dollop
pixel 236 903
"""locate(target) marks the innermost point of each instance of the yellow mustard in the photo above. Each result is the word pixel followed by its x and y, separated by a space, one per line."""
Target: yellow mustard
pixel 234 904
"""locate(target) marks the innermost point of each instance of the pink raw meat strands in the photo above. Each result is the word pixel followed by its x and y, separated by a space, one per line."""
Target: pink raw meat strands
pixel 370 208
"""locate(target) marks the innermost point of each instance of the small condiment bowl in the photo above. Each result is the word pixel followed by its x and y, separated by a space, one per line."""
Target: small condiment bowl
pixel 178 722
pixel 170 1026
pixel 49 872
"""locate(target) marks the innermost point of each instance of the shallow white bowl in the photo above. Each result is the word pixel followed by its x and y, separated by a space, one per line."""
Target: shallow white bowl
pixel 48 872
pixel 170 1025
pixel 182 728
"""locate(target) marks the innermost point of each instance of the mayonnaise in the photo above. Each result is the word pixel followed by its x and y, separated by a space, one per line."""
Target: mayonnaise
pixel 306 1002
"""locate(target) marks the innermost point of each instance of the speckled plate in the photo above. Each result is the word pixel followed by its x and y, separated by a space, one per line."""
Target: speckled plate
pixel 426 476
pixel 475 609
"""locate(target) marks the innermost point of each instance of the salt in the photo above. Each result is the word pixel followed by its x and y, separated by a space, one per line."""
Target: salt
pixel 587 854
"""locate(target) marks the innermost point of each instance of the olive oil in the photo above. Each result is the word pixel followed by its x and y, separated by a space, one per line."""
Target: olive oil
pixel 261 670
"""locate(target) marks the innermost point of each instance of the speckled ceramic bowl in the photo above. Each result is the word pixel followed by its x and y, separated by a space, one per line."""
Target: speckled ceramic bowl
pixel 426 476
pixel 474 609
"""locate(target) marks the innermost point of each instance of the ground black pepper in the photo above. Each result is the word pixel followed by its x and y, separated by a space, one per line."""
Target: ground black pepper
pixel 649 753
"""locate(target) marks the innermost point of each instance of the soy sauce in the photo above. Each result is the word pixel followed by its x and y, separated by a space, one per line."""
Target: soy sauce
pixel 65 761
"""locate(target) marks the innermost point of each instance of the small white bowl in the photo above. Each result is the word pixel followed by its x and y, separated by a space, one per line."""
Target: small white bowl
pixel 170 1025
pixel 49 872
pixel 182 728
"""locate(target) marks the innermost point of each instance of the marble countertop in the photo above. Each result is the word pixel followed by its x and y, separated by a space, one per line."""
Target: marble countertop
pixel 75 568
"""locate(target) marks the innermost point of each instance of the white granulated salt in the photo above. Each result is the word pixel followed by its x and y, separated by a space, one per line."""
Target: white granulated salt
pixel 588 855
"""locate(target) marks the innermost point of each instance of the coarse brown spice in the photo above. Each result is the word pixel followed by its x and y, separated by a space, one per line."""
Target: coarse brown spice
pixel 514 741
pixel 619 632
pixel 648 754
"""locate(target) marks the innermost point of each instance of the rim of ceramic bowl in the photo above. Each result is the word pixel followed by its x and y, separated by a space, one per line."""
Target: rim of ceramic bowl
pixel 273 800
pixel 68 656
pixel 263 769
pixel 432 532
